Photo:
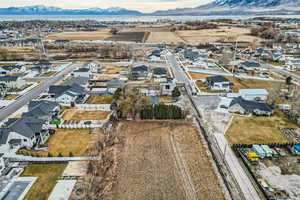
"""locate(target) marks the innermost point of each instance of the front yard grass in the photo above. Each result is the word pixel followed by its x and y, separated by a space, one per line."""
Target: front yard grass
pixel 10 97
pixel 80 115
pixel 47 175
pixel 100 100
pixel 259 130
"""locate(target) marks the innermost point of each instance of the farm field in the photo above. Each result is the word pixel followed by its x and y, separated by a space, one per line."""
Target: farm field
pixel 79 115
pixel 100 100
pixel 158 158
pixel 164 37
pixel 260 130
pixel 127 36
pixel 80 35
pixel 66 141
pixel 215 35
pixel 47 175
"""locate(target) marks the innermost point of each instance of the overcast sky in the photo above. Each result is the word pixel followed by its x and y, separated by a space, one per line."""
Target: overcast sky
pixel 142 5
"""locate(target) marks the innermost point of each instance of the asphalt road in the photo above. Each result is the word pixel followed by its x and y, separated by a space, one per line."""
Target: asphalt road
pixel 35 92
pixel 236 169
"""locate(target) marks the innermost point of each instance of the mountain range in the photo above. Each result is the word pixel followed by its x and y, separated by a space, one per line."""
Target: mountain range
pixel 44 10
pixel 217 7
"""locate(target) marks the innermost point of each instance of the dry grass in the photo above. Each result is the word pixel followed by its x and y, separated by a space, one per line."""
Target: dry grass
pixel 197 76
pixel 113 69
pixel 47 74
pixel 100 100
pixel 80 115
pixel 80 35
pixel 102 77
pixel 10 97
pixel 66 141
pixel 147 168
pixel 47 175
pixel 259 130
pixel 164 37
pixel 214 35
pixel 166 99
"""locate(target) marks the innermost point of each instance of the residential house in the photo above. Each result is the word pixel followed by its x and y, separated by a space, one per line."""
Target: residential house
pixel 82 81
pixel 114 84
pixel 11 69
pixel 12 82
pixel 254 94
pixel 42 109
pixel 41 68
pixel 218 83
pixel 154 55
pixel 292 64
pixel 22 132
pixel 191 55
pixel 82 72
pixel 250 65
pixel 140 72
pixel 244 107
pixel 67 94
pixel 166 88
pixel 159 72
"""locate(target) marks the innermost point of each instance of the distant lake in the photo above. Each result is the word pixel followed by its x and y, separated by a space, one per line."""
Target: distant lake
pixel 130 18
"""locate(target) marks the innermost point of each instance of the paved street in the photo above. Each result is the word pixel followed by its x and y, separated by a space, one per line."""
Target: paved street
pixel 236 169
pixel 35 92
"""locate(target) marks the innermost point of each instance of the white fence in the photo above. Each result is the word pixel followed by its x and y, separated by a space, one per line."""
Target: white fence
pixel 104 107
pixel 99 124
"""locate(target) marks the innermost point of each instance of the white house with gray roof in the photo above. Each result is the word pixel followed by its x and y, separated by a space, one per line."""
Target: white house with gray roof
pixel 22 132
pixel 12 82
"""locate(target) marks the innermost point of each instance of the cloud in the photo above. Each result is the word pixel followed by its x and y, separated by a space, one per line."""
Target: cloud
pixel 142 5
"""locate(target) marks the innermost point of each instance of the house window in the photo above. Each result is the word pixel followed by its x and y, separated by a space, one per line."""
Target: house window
pixel 167 87
pixel 25 140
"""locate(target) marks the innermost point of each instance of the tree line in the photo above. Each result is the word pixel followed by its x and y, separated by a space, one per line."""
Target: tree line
pixel 162 111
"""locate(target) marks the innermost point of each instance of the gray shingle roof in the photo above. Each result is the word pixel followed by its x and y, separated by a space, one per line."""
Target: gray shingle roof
pixel 8 78
pixel 159 71
pixel 58 90
pixel 82 70
pixel 250 106
pixel 26 127
pixel 40 108
pixel 216 79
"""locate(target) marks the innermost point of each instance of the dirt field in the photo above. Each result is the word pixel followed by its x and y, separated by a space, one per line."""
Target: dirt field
pixel 164 37
pixel 260 130
pixel 79 115
pixel 80 35
pixel 100 100
pixel 197 76
pixel 215 35
pixel 113 69
pixel 102 77
pixel 127 36
pixel 163 160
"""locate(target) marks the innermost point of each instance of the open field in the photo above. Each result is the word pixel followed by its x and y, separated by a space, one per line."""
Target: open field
pixel 127 36
pixel 47 175
pixel 164 37
pixel 79 115
pixel 103 77
pixel 259 130
pixel 66 141
pixel 80 35
pixel 163 160
pixel 197 76
pixel 113 69
pixel 100 100
pixel 214 35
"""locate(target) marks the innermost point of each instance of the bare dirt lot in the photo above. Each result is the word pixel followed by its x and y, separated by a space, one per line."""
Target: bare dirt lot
pixel 230 34
pixel 163 160
pixel 127 36
pixel 80 35
pixel 164 37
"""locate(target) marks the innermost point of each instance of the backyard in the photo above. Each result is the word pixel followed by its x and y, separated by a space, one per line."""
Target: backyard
pixel 259 130
pixel 68 141
pixel 100 100
pixel 47 175
pixel 80 115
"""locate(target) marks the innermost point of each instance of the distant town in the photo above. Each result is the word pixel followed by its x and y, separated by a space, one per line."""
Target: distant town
pixel 167 109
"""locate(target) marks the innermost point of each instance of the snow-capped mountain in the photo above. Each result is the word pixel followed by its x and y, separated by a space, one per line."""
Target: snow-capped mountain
pixel 45 10
pixel 239 7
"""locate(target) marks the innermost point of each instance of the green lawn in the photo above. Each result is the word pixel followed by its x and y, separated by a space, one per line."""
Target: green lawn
pixel 47 175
